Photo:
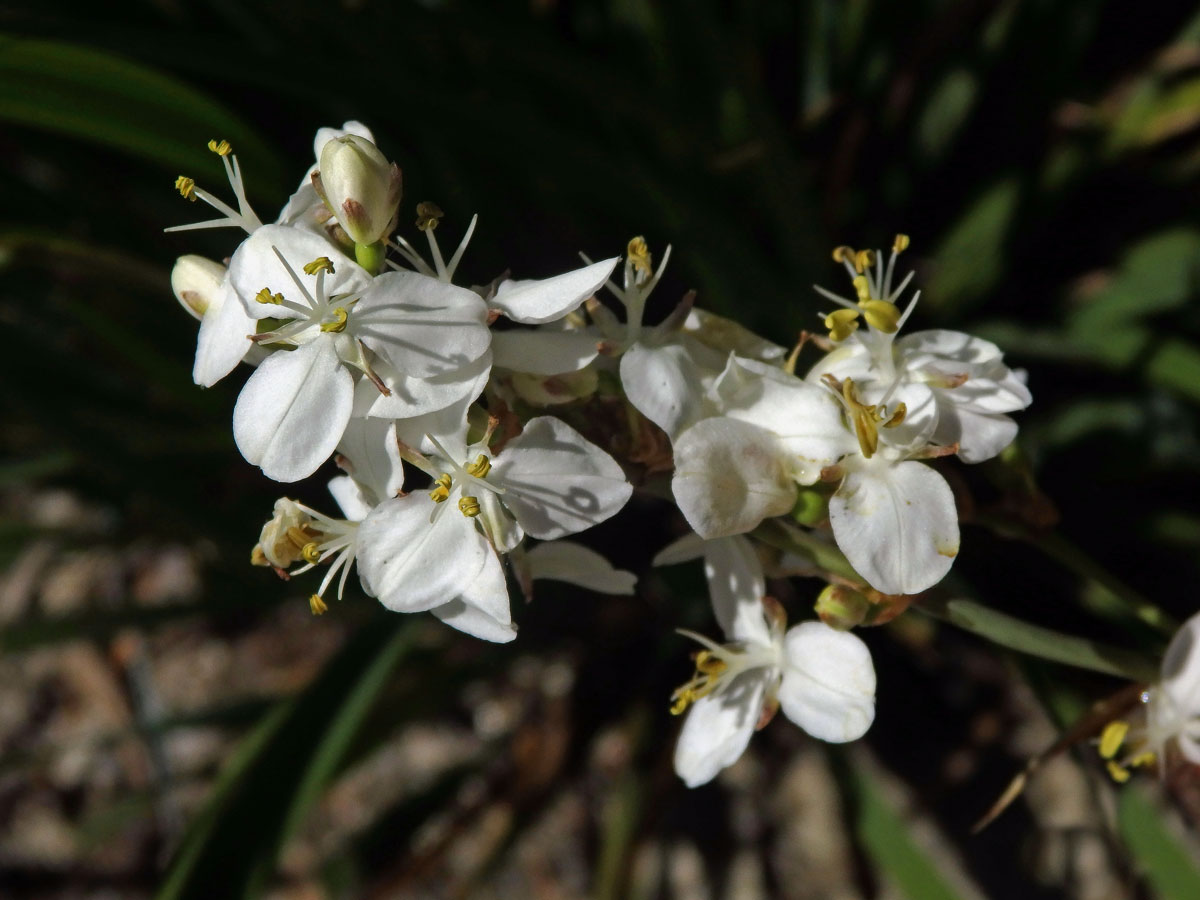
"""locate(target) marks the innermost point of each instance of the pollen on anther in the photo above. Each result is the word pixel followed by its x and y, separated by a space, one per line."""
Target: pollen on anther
pixel 311 552
pixel 321 263
pixel 265 296
pixel 428 215
pixel 221 148
pixel 317 605
pixel 469 506
pixel 186 187
pixel 900 244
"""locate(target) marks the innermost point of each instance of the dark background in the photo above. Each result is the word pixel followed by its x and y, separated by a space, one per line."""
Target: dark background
pixel 1044 157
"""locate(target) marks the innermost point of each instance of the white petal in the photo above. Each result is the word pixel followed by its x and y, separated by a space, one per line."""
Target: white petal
pixel 688 547
pixel 557 482
pixel 372 457
pixel 725 336
pixel 547 299
pixel 482 609
pixel 576 564
pixel 979 436
pixel 293 410
pixel 355 504
pixel 326 134
pixel 543 352
pixel 223 340
pixel 411 564
pixel 828 686
pixel 896 523
pixel 411 396
pixel 498 523
pixel 729 476
pixel 420 325
pixel 719 727
pixel 1181 668
pixel 736 587
pixel 807 419
pixel 666 385
pixel 255 266
pixel 954 346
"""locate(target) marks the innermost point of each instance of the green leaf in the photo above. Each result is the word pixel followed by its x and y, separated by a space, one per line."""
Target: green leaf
pixel 1025 637
pixel 101 98
pixel 971 257
pixel 885 837
pixel 281 769
pixel 1159 853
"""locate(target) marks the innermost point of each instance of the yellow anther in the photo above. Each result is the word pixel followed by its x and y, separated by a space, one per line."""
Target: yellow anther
pixel 338 325
pixel 842 323
pixel 428 215
pixel 186 187
pixel 441 489
pixel 480 467
pixel 265 296
pixel 898 416
pixel 311 552
pixel 709 669
pixel 900 243
pixel 321 262
pixel 863 260
pixel 469 506
pixel 299 537
pixel 317 605
pixel 1117 772
pixel 881 315
pixel 1112 737
pixel 638 255
pixel 862 288
pixel 1146 758
pixel 221 148
pixel 843 253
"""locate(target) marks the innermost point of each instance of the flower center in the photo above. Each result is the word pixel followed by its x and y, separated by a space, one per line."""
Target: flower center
pixel 865 418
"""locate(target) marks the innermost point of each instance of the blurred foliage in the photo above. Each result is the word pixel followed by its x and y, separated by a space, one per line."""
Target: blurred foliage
pixel 1044 156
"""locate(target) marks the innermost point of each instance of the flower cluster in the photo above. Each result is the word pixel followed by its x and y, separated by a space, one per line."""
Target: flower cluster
pixel 446 408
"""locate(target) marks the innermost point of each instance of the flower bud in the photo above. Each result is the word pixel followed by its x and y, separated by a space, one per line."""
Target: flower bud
pixel 360 186
pixel 842 608
pixel 196 282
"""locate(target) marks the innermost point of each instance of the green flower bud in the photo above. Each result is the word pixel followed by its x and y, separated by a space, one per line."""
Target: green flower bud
pixel 841 607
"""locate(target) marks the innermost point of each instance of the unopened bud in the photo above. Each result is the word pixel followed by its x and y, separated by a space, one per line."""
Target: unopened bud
pixel 360 186
pixel 551 390
pixel 196 282
pixel 812 506
pixel 841 607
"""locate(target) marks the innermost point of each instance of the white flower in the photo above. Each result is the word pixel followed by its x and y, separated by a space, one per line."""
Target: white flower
pixel 360 186
pixel 892 517
pixel 970 386
pixel 1172 711
pixel 823 680
pixel 295 407
pixel 438 550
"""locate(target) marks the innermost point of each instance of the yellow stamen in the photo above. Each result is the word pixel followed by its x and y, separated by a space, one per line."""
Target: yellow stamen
pixel 428 215
pixel 898 416
pixel 709 669
pixel 265 296
pixel 321 262
pixel 881 315
pixel 864 419
pixel 1117 772
pixel 469 506
pixel 299 537
pixel 863 260
pixel 1112 737
pixel 221 148
pixel 862 289
pixel 842 323
pixel 317 605
pixel 311 552
pixel 338 325
pixel 1146 758
pixel 900 244
pixel 186 187
pixel 638 255
pixel 480 467
pixel 442 490
pixel 843 253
